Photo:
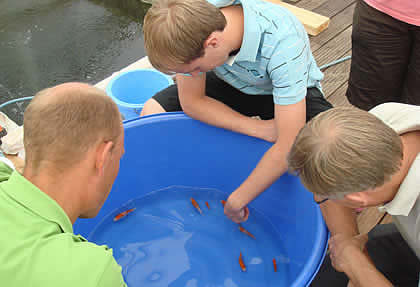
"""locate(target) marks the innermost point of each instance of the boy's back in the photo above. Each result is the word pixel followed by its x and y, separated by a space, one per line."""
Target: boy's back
pixel 275 56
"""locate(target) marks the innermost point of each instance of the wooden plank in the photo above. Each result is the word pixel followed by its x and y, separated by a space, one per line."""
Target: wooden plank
pixel 338 97
pixel 313 23
pixel 336 76
pixel 368 219
pixel 335 48
pixel 331 8
pixel 338 24
pixel 387 219
pixel 310 4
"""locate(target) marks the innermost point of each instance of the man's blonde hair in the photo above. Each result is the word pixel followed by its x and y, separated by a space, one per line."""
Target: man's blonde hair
pixel 345 150
pixel 175 31
pixel 62 123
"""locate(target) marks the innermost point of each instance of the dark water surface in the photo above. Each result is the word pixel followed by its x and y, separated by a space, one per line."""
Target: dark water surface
pixel 47 42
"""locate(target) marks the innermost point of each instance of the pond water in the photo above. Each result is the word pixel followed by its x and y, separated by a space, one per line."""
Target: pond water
pixel 47 42
pixel 164 241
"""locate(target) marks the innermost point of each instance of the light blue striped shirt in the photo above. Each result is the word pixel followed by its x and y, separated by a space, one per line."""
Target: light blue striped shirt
pixel 275 56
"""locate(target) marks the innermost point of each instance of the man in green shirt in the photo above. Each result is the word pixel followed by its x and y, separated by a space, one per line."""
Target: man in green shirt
pixel 73 141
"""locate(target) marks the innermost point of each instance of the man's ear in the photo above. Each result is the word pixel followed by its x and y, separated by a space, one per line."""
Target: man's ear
pixel 359 197
pixel 103 153
pixel 213 40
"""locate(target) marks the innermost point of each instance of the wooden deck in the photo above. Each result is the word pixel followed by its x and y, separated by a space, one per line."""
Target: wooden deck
pixel 332 44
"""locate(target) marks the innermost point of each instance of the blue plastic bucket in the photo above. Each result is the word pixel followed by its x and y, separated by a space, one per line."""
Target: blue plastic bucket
pixel 172 149
pixel 130 90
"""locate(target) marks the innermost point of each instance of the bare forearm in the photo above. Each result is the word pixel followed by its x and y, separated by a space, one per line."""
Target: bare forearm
pixel 271 166
pixel 362 273
pixel 339 219
pixel 218 114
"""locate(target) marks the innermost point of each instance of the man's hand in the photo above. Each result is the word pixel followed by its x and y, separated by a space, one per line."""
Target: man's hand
pixel 235 213
pixel 342 248
pixel 347 254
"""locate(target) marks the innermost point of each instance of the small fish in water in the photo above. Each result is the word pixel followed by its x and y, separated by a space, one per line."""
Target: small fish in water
pixel 122 214
pixel 241 262
pixel 245 231
pixel 207 204
pixel 275 264
pixel 223 202
pixel 195 204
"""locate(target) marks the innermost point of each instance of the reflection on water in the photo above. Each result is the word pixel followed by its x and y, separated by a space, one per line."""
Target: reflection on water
pixel 46 42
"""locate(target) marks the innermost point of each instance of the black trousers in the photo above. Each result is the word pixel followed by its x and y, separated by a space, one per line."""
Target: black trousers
pixel 249 105
pixel 391 255
pixel 385 64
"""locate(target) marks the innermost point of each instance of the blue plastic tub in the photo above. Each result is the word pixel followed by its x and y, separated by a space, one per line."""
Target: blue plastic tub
pixel 130 90
pixel 173 149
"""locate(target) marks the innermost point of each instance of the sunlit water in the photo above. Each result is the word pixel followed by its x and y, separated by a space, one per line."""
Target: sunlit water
pixel 165 241
pixel 47 42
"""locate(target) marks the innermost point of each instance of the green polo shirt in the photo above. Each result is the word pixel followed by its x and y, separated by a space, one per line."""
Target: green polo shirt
pixel 37 244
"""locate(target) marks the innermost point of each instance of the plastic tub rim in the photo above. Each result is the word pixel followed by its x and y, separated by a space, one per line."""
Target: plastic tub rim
pixel 130 105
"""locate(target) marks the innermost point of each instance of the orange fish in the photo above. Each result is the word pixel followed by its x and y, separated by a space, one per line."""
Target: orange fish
pixel 207 204
pixel 245 231
pixel 223 202
pixel 195 204
pixel 275 264
pixel 122 214
pixel 241 262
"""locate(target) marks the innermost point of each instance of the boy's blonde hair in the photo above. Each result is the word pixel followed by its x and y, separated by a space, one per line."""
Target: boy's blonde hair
pixel 175 31
pixel 62 124
pixel 345 150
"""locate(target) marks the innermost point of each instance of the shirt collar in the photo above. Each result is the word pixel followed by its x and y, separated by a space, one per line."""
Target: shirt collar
pixel 407 194
pixel 252 35
pixel 32 198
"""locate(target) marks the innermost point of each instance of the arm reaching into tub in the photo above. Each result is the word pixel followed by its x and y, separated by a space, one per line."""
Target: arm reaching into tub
pixel 289 120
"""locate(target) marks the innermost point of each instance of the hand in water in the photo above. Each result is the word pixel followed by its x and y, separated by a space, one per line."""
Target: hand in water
pixel 237 215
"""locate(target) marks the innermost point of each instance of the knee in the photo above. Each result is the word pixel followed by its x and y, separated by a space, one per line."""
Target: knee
pixel 151 107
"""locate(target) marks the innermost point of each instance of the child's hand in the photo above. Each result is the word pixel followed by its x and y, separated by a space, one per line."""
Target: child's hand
pixel 237 215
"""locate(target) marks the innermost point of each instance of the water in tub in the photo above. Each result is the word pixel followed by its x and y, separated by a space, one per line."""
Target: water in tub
pixel 163 240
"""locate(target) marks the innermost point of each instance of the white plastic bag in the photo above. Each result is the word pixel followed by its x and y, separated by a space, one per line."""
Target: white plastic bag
pixel 12 143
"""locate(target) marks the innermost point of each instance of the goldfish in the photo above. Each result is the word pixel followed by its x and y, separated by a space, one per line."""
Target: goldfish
pixel 245 231
pixel 207 204
pixel 223 202
pixel 241 262
pixel 122 214
pixel 275 264
pixel 195 204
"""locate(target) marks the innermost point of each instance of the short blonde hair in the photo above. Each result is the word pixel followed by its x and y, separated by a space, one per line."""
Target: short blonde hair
pixel 175 31
pixel 345 150
pixel 62 124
